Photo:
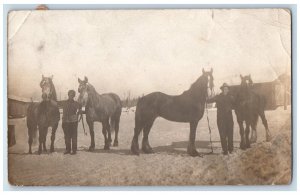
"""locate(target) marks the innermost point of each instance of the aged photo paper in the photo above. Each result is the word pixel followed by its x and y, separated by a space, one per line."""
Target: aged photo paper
pixel 162 97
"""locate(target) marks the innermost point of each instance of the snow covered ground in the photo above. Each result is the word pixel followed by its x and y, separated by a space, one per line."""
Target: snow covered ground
pixel 263 163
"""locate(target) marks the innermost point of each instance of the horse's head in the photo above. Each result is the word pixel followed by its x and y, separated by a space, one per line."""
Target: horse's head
pixel 246 81
pixel 83 91
pixel 47 87
pixel 209 79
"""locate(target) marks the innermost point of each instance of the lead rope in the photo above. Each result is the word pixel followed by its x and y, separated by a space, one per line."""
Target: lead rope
pixel 211 147
pixel 212 150
pixel 81 119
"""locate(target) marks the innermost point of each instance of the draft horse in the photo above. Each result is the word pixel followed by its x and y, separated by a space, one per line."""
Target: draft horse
pixel 248 107
pixel 187 108
pixel 104 108
pixel 41 115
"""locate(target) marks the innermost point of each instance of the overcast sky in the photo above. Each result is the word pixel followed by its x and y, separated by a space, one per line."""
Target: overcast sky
pixel 144 50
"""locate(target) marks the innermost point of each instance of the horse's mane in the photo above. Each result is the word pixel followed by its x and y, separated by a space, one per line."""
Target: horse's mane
pixel 54 96
pixel 196 88
pixel 91 88
pixel 93 94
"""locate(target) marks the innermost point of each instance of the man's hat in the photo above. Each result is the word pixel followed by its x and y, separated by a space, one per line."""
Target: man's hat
pixel 71 93
pixel 224 85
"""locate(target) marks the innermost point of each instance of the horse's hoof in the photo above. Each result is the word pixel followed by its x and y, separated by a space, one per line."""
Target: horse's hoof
pixel 192 152
pixel 135 152
pixel 51 150
pixel 248 146
pixel 148 150
pixel 116 144
pixel 242 146
pixel 106 147
pixel 135 148
pixel 91 148
pixel 29 152
pixel 39 152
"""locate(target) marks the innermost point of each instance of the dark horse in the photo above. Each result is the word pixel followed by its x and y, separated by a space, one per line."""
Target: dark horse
pixel 101 108
pixel 187 107
pixel 248 107
pixel 43 115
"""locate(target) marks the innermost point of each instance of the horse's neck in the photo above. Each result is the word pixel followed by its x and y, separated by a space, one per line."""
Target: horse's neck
pixel 244 93
pixel 53 96
pixel 93 97
pixel 197 91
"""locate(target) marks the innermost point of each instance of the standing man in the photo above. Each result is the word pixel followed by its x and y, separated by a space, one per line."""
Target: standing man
pixel 70 122
pixel 224 103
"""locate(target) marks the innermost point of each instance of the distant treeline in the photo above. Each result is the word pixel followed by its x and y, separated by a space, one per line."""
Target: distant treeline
pixel 127 103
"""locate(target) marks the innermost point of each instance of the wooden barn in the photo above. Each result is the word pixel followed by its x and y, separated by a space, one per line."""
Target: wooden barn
pixel 277 92
pixel 17 106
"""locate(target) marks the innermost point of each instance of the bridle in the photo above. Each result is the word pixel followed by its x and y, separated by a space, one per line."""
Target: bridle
pixel 44 85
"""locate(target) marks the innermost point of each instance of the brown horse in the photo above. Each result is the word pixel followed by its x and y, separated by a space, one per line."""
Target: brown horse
pixel 100 108
pixel 43 115
pixel 248 107
pixel 187 108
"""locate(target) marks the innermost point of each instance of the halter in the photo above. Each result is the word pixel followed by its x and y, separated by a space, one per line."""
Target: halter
pixel 42 85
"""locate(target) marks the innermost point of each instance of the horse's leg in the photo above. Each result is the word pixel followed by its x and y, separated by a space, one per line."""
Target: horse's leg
pixel 54 128
pixel 30 140
pixel 105 129
pixel 265 123
pixel 31 133
pixel 247 131
pixel 45 139
pixel 145 143
pixel 191 149
pixel 253 130
pixel 242 134
pixel 41 134
pixel 117 121
pixel 109 136
pixel 91 127
pixel 135 140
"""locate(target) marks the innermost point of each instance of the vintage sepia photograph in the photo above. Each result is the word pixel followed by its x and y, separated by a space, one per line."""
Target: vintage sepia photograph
pixel 149 97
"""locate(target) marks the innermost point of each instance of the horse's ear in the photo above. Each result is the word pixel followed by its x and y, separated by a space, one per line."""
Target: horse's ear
pixel 51 77
pixel 250 76
pixel 241 76
pixel 203 70
pixel 85 79
pixel 211 70
pixel 79 80
pixel 43 76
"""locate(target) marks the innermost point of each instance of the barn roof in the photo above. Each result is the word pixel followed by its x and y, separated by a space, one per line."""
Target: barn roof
pixel 21 99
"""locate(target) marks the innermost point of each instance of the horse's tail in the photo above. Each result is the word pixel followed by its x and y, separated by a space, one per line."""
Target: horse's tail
pixel 138 112
pixel 115 118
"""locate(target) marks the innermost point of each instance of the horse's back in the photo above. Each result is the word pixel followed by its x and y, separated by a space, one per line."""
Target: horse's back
pixel 152 100
pixel 116 98
pixel 111 103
